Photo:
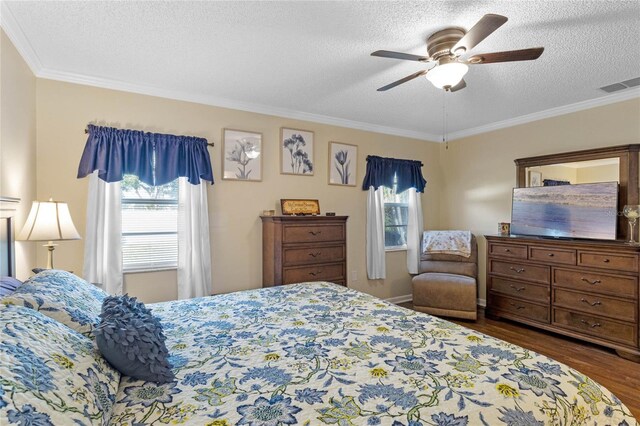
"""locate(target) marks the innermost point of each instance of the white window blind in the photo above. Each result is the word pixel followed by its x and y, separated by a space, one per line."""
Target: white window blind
pixel 396 216
pixel 149 225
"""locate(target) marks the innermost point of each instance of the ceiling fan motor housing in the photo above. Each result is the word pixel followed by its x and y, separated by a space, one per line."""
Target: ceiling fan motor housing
pixel 439 44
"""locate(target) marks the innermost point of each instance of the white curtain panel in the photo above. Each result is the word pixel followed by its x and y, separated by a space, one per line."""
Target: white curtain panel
pixel 375 234
pixel 103 240
pixel 414 231
pixel 194 250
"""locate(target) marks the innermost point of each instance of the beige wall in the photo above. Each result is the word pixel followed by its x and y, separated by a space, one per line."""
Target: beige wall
pixel 605 173
pixel 65 109
pixel 18 143
pixel 479 172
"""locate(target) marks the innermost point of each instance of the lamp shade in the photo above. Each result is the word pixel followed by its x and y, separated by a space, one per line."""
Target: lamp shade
pixel 447 75
pixel 48 221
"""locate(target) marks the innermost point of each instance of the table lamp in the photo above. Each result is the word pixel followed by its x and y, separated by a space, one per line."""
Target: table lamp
pixel 49 221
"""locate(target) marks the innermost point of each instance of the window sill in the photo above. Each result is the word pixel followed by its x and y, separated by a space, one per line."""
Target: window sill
pixel 142 271
pixel 390 249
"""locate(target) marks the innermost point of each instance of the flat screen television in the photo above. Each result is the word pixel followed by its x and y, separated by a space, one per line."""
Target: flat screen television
pixel 567 211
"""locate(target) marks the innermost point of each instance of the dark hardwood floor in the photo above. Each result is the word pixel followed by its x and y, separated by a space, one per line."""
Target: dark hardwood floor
pixel 620 376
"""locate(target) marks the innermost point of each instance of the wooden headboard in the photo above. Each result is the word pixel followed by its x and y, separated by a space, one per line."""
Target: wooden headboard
pixel 7 236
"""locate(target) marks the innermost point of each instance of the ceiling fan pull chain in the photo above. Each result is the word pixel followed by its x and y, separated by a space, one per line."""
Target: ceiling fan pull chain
pixel 444 120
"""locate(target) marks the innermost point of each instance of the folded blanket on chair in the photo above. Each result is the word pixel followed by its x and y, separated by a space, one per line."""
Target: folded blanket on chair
pixel 447 242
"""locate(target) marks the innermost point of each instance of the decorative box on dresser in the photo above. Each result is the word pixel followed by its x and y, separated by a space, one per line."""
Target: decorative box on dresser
pixel 304 248
pixel 583 289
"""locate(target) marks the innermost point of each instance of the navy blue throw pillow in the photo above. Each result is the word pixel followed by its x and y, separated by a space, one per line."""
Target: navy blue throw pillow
pixel 131 339
pixel 8 285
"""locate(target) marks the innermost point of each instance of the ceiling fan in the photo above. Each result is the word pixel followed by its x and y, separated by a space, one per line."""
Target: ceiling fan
pixel 445 48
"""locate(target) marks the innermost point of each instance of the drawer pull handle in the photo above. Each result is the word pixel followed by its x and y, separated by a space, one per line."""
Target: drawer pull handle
pixel 516 288
pixel 507 250
pixel 314 233
pixel 596 303
pixel 606 260
pixel 316 254
pixel 516 306
pixel 517 270
pixel 550 254
pixel 594 282
pixel 315 273
pixel 594 325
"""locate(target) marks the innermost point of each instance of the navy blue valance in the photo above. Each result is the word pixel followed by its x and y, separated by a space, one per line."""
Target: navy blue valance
pixel 155 158
pixel 381 172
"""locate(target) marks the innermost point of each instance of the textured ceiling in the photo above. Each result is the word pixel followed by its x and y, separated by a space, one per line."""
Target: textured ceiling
pixel 313 57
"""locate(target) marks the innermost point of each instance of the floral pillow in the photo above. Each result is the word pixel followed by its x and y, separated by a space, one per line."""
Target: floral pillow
pixel 49 374
pixel 63 297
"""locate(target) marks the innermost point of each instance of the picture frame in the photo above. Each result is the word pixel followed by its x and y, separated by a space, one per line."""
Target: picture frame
pixel 299 207
pixel 535 178
pixel 343 164
pixel 296 152
pixel 242 155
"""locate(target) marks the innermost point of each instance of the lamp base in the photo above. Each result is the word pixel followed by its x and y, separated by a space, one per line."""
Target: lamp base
pixel 50 247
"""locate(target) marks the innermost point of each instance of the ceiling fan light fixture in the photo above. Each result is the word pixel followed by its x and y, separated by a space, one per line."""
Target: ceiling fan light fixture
pixel 447 75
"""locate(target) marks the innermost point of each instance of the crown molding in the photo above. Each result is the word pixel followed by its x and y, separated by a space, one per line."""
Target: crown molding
pixel 13 30
pixel 325 119
pixel 230 103
pixel 624 95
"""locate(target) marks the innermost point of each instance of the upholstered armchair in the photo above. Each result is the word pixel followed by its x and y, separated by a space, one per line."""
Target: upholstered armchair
pixel 447 284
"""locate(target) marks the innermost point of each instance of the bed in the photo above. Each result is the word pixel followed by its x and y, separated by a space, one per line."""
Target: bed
pixel 318 353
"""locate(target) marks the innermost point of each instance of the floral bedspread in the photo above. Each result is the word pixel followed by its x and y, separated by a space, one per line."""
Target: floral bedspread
pixel 318 353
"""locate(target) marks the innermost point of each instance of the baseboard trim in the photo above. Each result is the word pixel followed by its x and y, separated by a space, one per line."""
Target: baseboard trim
pixel 409 298
pixel 400 299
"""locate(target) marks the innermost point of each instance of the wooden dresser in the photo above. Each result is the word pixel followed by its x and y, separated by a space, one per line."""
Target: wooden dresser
pixel 583 289
pixel 304 248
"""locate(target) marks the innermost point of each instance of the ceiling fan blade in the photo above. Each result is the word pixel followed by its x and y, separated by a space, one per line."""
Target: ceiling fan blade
pixel 402 80
pixel 399 55
pixel 481 30
pixel 459 86
pixel 508 56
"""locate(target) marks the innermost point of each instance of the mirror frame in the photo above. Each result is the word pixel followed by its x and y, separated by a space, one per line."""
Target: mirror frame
pixel 628 172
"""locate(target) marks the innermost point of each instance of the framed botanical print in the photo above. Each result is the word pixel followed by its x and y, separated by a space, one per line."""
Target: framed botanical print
pixel 343 162
pixel 296 152
pixel 242 155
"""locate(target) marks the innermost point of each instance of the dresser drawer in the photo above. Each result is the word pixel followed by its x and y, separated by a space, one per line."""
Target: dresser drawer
pixel 315 254
pixel 602 328
pixel 508 250
pixel 312 233
pixel 618 262
pixel 552 255
pixel 595 304
pixel 314 273
pixel 594 282
pixel 534 273
pixel 520 289
pixel 517 307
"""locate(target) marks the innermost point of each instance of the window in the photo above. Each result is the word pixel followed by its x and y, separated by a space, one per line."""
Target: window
pixel 149 225
pixel 396 214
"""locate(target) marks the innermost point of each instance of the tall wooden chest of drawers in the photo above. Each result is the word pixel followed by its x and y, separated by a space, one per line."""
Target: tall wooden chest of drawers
pixel 583 289
pixel 304 248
